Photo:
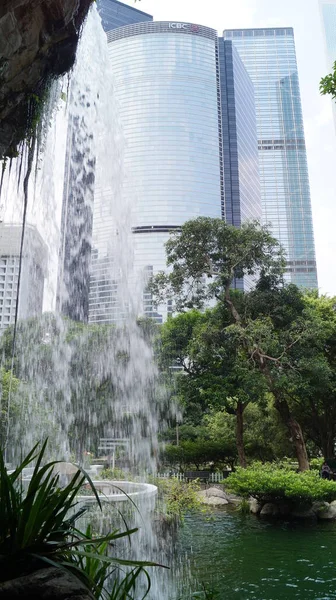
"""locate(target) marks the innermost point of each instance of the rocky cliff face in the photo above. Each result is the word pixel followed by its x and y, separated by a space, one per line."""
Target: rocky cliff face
pixel 38 40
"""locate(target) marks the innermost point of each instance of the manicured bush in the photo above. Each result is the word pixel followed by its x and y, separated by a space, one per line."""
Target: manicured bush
pixel 197 454
pixel 267 483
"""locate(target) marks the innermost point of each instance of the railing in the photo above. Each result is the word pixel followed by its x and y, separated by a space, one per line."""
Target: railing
pixel 213 477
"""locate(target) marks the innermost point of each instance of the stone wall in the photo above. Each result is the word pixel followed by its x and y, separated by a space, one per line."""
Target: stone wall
pixel 38 40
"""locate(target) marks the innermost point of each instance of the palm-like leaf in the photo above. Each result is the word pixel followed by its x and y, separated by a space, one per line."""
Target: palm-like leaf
pixel 38 528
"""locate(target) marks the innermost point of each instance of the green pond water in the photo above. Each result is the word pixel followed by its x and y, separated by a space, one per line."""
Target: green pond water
pixel 243 557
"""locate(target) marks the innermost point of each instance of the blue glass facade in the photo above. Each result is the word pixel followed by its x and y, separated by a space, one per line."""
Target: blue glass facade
pixel 269 58
pixel 240 146
pixel 116 14
pixel 166 85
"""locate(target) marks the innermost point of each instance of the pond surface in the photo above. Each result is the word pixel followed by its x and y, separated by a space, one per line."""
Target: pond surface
pixel 242 557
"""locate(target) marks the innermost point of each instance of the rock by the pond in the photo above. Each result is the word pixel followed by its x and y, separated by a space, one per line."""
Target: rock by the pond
pixel 46 584
pixel 303 513
pixel 233 499
pixel 213 497
pixel 269 510
pixel 255 506
pixel 325 511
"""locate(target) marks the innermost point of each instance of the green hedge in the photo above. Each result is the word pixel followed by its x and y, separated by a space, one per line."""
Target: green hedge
pixel 267 483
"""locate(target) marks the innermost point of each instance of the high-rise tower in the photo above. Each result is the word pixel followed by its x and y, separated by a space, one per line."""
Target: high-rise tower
pixel 117 14
pixel 270 60
pixel 181 147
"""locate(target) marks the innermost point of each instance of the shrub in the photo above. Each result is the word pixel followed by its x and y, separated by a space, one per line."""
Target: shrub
pixel 267 483
pixel 316 463
pixel 111 474
pixel 197 453
pixel 177 498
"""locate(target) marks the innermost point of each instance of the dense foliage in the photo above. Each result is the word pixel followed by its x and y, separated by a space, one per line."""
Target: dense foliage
pixel 272 348
pixel 269 484
pixel 176 498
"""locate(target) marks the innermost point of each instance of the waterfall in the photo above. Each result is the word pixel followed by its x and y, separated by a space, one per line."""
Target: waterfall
pixel 81 367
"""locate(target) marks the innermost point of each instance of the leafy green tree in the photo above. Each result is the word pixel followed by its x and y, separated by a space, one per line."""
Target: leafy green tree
pixel 9 399
pixel 73 375
pixel 328 83
pixel 217 376
pixel 205 259
pixel 314 396
pixel 199 453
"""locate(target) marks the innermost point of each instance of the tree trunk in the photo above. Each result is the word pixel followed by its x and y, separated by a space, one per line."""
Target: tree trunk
pixel 240 434
pixel 328 446
pixel 295 431
pixel 293 426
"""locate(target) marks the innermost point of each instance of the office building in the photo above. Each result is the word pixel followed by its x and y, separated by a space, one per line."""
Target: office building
pixel 328 14
pixel 33 273
pixel 270 60
pixel 190 149
pixel 184 156
pixel 116 14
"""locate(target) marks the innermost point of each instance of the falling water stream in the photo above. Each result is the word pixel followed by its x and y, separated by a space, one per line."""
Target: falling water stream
pixel 64 380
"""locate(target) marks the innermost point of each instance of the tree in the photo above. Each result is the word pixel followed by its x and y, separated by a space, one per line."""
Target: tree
pixel 328 83
pixel 315 394
pixel 205 259
pixel 81 381
pixel 216 374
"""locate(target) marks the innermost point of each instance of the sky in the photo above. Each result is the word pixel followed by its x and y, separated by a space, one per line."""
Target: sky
pixel 304 16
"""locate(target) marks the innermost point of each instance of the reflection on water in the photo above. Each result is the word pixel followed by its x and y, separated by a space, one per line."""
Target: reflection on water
pixel 246 558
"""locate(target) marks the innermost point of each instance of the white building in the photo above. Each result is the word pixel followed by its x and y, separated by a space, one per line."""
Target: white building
pixel 167 87
pixel 33 271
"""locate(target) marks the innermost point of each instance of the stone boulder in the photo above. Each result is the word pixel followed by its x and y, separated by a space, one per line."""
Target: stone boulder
pixel 303 513
pixel 269 510
pixel 213 497
pixel 324 510
pixel 255 506
pixel 46 584
pixel 38 41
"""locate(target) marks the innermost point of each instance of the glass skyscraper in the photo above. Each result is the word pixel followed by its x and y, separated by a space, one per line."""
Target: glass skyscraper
pixel 166 87
pixel 328 13
pixel 116 14
pixel 240 147
pixel 269 58
pixel 187 153
pixel 187 112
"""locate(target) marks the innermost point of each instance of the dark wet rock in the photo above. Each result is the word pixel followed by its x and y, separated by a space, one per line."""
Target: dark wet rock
pixel 269 510
pixel 303 513
pixel 46 584
pixel 38 41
